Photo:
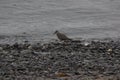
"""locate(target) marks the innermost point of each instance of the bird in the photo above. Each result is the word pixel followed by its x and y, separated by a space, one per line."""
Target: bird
pixel 61 36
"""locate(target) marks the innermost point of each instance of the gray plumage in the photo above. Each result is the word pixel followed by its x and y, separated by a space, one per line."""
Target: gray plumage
pixel 61 36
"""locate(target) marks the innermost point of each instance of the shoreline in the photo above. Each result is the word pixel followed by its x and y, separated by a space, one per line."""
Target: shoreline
pixel 54 60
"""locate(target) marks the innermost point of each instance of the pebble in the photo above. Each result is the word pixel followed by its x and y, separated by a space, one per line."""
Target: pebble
pixel 60 59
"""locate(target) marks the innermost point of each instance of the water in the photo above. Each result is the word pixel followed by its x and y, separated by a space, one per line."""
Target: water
pixel 38 19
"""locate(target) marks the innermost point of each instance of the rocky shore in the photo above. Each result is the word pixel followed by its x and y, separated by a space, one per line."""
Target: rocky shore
pixel 55 60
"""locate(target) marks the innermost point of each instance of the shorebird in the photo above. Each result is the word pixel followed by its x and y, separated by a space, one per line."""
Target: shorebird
pixel 61 36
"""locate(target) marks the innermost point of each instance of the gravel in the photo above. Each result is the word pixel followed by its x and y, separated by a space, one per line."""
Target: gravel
pixel 76 60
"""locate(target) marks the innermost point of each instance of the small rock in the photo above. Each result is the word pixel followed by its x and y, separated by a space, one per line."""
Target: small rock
pixel 61 74
pixel 1 48
pixel 109 50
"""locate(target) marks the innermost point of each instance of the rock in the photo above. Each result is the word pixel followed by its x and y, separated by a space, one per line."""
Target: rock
pixel 61 74
pixel 1 49
pixel 60 59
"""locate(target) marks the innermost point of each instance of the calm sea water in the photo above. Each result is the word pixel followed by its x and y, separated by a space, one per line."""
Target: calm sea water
pixel 38 19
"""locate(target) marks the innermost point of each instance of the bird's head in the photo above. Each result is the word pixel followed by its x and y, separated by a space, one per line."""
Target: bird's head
pixel 56 32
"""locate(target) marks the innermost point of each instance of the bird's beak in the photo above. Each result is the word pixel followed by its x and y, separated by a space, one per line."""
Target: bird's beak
pixel 55 32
